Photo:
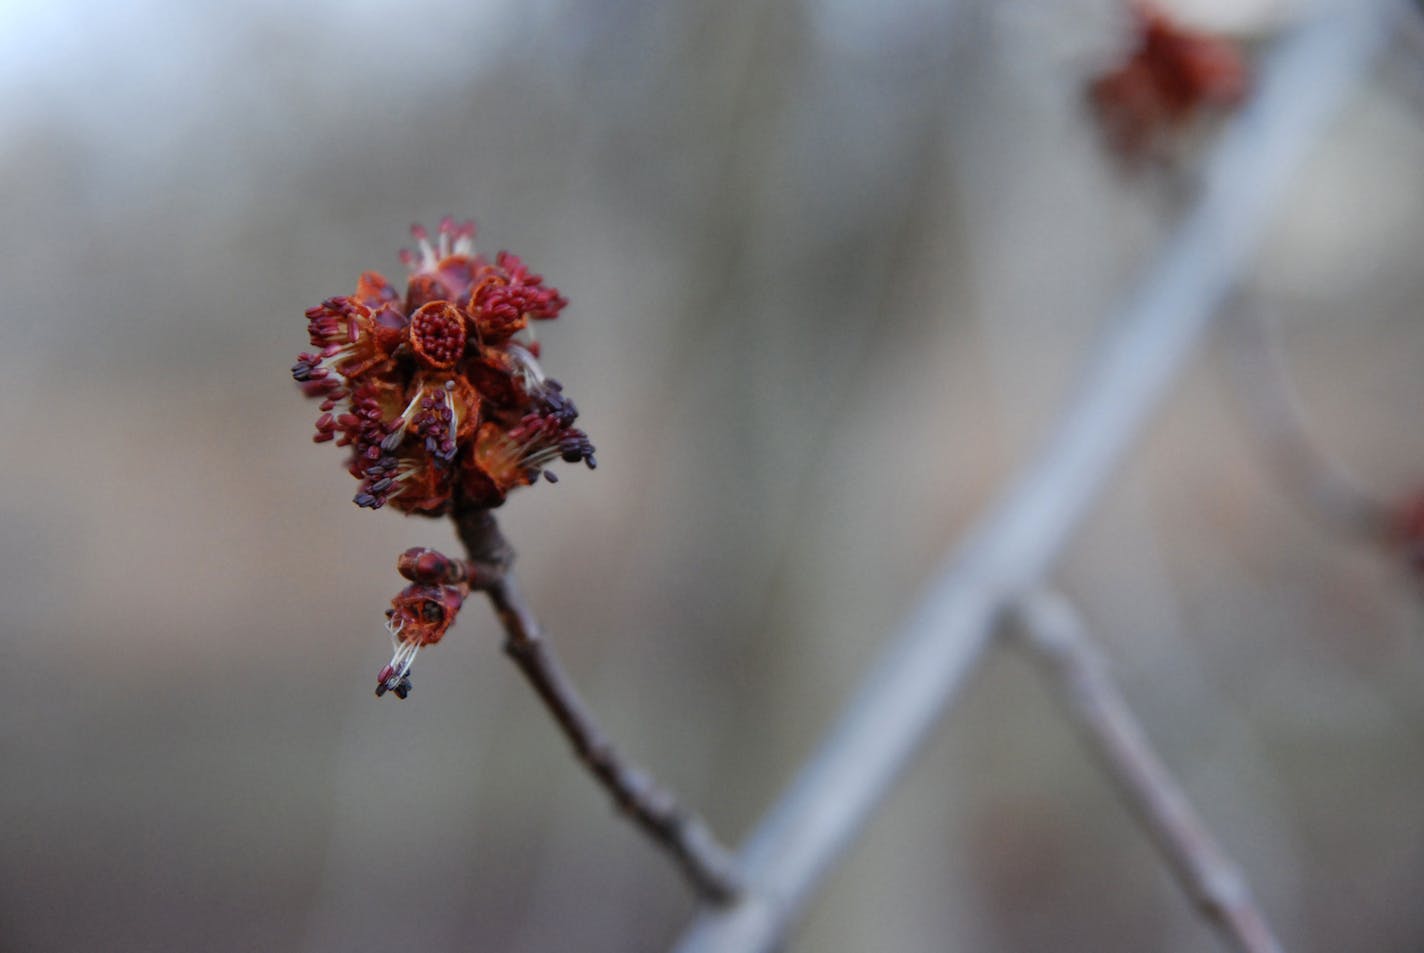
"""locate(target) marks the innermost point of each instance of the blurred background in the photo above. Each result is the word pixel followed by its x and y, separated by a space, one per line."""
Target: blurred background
pixel 833 266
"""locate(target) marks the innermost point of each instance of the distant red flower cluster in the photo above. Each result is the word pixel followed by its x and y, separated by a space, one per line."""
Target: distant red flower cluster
pixel 1407 531
pixel 1172 77
pixel 437 392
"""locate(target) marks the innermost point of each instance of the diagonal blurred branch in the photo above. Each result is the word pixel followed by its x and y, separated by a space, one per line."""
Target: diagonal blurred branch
pixel 804 835
pixel 1054 631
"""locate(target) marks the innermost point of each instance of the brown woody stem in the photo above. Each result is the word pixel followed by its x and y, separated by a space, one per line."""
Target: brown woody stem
pixel 678 831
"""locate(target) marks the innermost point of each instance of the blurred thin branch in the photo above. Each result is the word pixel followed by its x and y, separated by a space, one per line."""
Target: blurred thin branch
pixel 1272 409
pixel 1408 39
pixel 1054 632
pixel 804 835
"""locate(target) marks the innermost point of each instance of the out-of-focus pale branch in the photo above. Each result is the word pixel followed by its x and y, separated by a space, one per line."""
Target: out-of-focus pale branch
pixel 1272 409
pixel 1054 631
pixel 805 833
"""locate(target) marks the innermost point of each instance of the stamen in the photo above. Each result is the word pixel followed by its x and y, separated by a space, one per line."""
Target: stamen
pixel 438 335
pixel 527 365
pixel 394 675
pixel 394 438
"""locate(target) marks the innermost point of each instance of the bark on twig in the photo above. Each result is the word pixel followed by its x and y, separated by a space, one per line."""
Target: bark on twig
pixel 679 832
pixel 1051 628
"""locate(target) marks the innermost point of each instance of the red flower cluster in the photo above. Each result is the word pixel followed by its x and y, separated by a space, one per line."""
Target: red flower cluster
pixel 1172 77
pixel 439 393
pixel 1406 528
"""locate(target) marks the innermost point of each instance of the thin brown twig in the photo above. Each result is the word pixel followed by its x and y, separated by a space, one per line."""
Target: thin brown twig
pixel 1053 630
pixel 678 831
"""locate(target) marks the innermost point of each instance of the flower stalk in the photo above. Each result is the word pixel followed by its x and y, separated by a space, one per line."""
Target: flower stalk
pixel 680 832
